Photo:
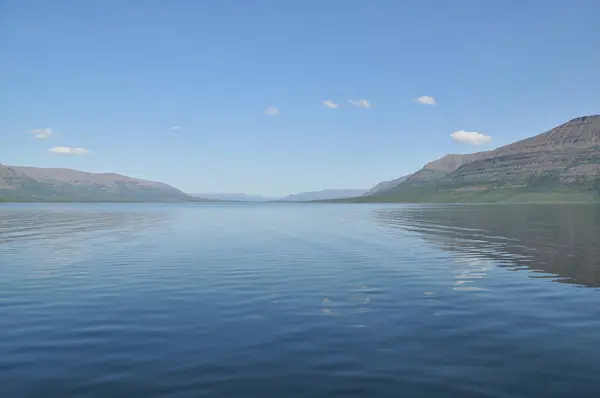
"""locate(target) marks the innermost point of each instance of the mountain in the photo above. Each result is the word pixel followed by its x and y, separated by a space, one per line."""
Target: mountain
pixel 324 195
pixel 234 197
pixel 561 164
pixel 437 169
pixel 39 184
pixel 385 185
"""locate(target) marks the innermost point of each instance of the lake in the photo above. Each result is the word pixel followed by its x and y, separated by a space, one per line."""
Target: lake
pixel 299 300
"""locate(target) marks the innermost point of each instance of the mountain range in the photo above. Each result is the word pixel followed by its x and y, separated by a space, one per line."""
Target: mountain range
pixel 562 164
pixel 234 197
pixel 39 184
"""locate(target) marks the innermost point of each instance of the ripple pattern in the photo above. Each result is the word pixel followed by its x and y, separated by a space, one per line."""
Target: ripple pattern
pixel 272 300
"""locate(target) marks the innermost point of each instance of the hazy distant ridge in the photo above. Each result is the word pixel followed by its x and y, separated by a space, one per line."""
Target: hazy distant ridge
pixel 234 197
pixel 324 195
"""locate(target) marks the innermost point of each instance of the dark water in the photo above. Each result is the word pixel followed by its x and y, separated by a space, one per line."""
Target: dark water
pixel 299 301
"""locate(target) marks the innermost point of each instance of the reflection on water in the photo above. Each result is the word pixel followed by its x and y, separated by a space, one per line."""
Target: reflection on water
pixel 292 300
pixel 563 240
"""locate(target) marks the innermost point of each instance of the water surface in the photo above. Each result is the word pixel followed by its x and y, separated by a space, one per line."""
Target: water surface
pixel 299 300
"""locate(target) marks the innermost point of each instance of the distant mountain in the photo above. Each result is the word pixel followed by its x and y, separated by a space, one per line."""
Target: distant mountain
pixel 562 164
pixel 234 197
pixel 39 184
pixel 324 195
pixel 385 185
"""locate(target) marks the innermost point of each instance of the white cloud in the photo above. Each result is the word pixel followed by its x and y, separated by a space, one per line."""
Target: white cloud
pixel 426 100
pixel 69 151
pixel 271 111
pixel 175 128
pixel 42 134
pixel 330 104
pixel 361 103
pixel 470 137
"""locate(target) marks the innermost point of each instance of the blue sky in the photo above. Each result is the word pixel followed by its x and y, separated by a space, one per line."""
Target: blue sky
pixel 114 78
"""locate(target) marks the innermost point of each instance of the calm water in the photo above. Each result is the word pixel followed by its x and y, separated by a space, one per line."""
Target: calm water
pixel 296 300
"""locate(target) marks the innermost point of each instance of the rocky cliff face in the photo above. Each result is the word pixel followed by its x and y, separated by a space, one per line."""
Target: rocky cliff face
pixel 32 183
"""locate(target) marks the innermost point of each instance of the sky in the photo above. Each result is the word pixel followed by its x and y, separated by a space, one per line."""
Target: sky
pixel 278 97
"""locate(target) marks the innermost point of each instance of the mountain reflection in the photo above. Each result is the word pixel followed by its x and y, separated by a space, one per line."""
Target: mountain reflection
pixel 558 239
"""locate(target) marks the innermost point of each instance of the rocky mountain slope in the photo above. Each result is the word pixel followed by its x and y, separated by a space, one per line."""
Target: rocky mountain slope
pixel 567 155
pixel 562 163
pixel 432 171
pixel 437 169
pixel 33 184
pixel 385 185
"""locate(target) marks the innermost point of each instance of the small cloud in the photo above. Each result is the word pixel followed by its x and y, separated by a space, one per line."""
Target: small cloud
pixel 271 111
pixel 330 104
pixel 42 134
pixel 470 137
pixel 426 100
pixel 362 103
pixel 69 151
pixel 175 128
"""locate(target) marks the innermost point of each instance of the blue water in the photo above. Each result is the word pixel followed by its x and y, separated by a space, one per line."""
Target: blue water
pixel 299 300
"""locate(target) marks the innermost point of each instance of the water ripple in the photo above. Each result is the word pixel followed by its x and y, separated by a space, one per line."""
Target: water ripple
pixel 298 300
